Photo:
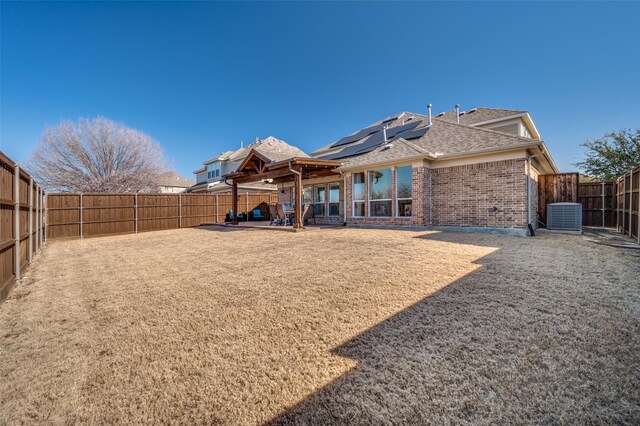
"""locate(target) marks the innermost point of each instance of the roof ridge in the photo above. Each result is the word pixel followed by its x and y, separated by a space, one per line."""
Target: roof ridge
pixel 412 145
pixel 439 120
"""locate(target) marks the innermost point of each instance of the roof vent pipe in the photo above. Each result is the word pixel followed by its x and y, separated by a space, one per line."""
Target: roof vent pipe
pixel 429 109
pixel 384 132
pixel 458 113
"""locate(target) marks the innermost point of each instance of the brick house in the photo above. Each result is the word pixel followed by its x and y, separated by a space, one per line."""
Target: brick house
pixel 476 169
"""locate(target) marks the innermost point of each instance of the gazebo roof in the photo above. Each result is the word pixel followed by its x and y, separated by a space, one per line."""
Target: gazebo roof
pixel 257 167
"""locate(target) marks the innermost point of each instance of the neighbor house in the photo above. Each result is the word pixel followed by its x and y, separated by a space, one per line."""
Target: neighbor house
pixel 173 183
pixel 210 177
pixel 472 169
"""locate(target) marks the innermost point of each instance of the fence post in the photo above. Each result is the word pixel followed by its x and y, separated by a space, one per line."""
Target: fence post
pixel 81 230
pixel 39 220
pixel 16 220
pixel 30 256
pixel 37 206
pixel 44 217
pixel 602 189
pixel 630 201
pixel 135 210
pixel 624 200
pixel 216 208
pixel 179 210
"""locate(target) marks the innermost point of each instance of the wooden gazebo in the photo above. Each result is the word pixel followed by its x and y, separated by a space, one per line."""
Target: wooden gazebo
pixel 256 167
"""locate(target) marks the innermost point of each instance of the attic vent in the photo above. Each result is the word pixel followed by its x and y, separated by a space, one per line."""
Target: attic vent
pixel 472 110
pixel 386 146
pixel 564 216
pixel 440 115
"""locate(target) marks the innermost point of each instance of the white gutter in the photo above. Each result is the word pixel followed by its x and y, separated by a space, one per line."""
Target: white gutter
pixel 364 166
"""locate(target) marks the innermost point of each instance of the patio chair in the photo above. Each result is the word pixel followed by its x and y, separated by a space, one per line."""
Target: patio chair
pixel 257 215
pixel 274 215
pixel 307 213
pixel 282 216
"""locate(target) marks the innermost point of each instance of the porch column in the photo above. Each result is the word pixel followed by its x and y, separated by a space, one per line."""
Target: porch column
pixel 298 203
pixel 234 195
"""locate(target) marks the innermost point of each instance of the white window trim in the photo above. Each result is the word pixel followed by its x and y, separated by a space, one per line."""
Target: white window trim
pixel 371 200
pixel 354 201
pixel 213 170
pixel 403 199
pixel 329 202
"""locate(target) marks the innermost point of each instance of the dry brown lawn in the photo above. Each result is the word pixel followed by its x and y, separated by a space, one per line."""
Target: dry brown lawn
pixel 332 326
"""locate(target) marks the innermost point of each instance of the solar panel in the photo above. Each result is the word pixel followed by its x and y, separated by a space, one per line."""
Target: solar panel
pixel 392 131
pixel 413 134
pixel 357 136
pixel 348 151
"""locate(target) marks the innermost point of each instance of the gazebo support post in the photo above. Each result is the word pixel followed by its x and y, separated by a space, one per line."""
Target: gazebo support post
pixel 234 192
pixel 298 201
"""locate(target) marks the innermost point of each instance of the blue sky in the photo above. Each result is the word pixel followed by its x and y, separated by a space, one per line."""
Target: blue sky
pixel 201 77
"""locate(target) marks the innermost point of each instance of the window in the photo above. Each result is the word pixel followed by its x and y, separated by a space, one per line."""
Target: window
pixel 404 186
pixel 358 194
pixel 213 170
pixel 307 195
pixel 318 207
pixel 292 196
pixel 334 199
pixel 380 193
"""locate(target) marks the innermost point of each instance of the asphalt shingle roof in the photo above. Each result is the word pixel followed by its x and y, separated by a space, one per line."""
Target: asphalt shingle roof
pixel 174 179
pixel 442 138
pixel 272 148
pixel 477 115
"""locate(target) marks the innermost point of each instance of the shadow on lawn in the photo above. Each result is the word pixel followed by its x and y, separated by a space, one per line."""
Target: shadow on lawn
pixel 478 350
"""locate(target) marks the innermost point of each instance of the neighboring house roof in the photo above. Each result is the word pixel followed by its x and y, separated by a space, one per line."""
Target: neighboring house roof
pixel 174 179
pixel 222 157
pixel 272 148
pixel 478 115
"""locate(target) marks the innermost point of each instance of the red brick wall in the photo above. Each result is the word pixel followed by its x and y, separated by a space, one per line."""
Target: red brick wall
pixel 420 204
pixel 466 195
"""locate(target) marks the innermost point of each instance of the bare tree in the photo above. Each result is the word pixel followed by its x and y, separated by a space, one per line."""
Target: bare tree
pixel 97 155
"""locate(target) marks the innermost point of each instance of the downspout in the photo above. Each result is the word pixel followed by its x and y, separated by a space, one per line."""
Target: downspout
pixel 295 172
pixel 529 191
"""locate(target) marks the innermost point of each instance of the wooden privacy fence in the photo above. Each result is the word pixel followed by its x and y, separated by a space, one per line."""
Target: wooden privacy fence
pixel 598 201
pixel 628 195
pixel 561 187
pixel 21 223
pixel 72 215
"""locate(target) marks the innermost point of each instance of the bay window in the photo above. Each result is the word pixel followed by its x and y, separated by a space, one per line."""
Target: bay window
pixel 404 187
pixel 380 193
pixel 358 194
